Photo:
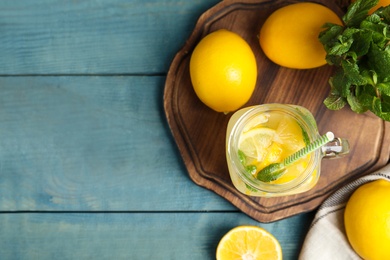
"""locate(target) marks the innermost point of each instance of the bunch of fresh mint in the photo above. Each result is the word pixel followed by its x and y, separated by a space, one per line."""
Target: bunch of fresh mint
pixel 360 49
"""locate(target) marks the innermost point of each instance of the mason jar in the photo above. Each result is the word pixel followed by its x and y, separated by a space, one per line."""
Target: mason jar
pixel 306 178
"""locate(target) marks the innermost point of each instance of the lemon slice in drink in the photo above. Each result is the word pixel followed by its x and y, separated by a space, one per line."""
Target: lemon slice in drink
pixel 255 142
pixel 273 155
pixel 249 242
pixel 290 134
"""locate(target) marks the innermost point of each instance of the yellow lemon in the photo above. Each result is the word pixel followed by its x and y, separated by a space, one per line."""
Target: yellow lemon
pixel 289 36
pixel 249 242
pixel 223 71
pixel 367 220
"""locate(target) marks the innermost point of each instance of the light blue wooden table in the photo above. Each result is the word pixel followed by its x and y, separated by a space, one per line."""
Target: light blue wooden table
pixel 88 166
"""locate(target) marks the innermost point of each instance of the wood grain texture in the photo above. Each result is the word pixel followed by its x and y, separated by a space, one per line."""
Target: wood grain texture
pixel 182 235
pixel 200 132
pixel 93 36
pixel 91 143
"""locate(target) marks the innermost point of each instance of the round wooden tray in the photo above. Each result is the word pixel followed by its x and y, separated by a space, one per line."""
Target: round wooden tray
pixel 200 132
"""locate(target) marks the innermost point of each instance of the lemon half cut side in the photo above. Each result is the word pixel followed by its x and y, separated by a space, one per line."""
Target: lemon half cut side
pixel 249 243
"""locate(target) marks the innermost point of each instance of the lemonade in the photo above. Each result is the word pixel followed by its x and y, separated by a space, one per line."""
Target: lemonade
pixel 261 135
pixel 271 141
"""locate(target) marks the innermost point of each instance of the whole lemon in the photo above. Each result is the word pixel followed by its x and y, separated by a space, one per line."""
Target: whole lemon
pixel 367 220
pixel 223 71
pixel 289 36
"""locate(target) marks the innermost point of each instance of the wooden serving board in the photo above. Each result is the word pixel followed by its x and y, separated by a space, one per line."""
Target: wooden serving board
pixel 200 132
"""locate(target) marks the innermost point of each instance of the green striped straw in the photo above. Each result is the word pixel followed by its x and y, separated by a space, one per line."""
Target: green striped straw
pixel 276 170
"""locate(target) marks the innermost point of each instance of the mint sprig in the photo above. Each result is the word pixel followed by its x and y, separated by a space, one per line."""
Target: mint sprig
pixel 360 51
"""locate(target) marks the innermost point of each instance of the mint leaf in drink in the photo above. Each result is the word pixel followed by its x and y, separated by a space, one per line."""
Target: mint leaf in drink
pixel 360 49
pixel 242 157
pixel 251 169
pixel 250 188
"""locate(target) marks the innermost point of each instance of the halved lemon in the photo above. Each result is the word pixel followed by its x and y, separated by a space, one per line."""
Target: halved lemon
pixel 249 242
pixel 255 142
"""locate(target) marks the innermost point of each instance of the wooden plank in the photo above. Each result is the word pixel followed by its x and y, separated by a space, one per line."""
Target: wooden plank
pixel 91 143
pixel 94 37
pixel 134 235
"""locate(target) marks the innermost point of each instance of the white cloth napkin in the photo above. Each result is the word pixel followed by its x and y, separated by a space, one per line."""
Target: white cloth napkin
pixel 326 238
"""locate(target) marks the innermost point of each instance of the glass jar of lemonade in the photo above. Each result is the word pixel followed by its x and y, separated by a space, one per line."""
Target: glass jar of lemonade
pixel 261 135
